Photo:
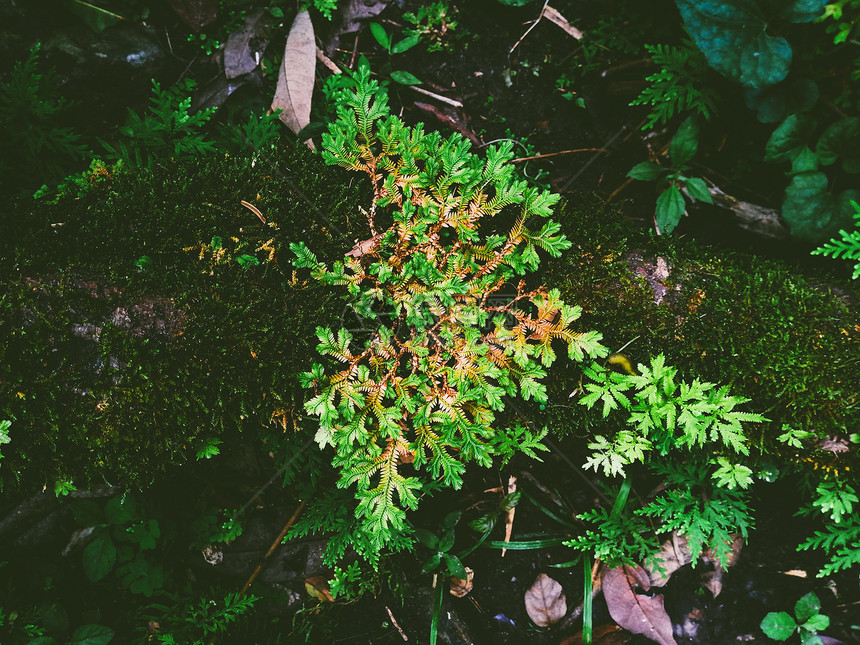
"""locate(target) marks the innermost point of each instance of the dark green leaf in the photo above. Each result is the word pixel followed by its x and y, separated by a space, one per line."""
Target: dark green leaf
pixel 685 142
pixel 99 557
pixel 91 635
pixel 380 35
pixel 92 16
pixel 432 563
pixel 42 640
pixel 484 523
pixel 670 208
pixel 773 104
pixel 121 509
pixel 789 138
pixel 247 261
pixel 87 512
pixel 805 161
pixel 427 538
pixel 451 519
pixel 404 78
pixel 698 190
pixel 733 36
pixel 811 212
pixel 778 625
pixel 510 500
pixel 446 541
pixel 646 171
pixel 841 140
pixel 803 10
pixel 455 567
pixel 406 44
pixel 807 607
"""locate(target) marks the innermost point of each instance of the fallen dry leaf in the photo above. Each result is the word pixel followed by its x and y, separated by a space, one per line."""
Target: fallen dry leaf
pixel 673 554
pixel 605 634
pixel 317 587
pixel 545 601
pixel 195 13
pixel 352 16
pixel 555 17
pixel 238 57
pixel 459 587
pixel 509 514
pixel 636 612
pixel 295 86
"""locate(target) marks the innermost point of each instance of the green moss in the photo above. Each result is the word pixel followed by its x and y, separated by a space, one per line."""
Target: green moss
pixel 781 337
pixel 113 373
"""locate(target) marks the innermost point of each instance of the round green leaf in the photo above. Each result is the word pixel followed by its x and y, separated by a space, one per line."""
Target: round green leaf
pixel 670 208
pixel 778 625
pixel 841 140
pixel 91 635
pixel 99 557
pixel 404 78
pixel 789 138
pixel 811 212
pixel 817 623
pixel 807 607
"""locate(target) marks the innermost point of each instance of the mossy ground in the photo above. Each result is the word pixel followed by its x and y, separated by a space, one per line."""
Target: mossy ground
pixel 210 350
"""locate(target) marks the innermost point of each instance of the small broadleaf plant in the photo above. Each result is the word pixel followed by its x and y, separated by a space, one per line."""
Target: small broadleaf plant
pixel 455 329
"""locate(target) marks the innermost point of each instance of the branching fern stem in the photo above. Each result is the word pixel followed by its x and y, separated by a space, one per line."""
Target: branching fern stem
pixel 459 330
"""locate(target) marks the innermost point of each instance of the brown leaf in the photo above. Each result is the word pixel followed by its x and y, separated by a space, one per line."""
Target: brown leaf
pixel 509 514
pixel 352 16
pixel 317 587
pixel 605 634
pixel 555 17
pixel 195 13
pixel 636 612
pixel 459 587
pixel 238 57
pixel 545 601
pixel 296 77
pixel 673 554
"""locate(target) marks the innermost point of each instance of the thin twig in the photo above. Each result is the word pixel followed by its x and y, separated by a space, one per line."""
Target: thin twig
pixel 555 154
pixel 272 548
pixel 394 622
pixel 533 25
pixel 438 97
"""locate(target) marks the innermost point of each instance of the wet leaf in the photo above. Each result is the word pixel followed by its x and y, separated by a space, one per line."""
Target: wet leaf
pixel 317 587
pixel 296 77
pixel 545 601
pixel 636 612
pixel 460 587
pixel 238 57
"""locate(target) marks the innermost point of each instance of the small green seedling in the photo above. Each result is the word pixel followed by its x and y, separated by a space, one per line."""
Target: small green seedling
pixel 441 545
pixel 670 203
pixel 779 625
pixel 386 41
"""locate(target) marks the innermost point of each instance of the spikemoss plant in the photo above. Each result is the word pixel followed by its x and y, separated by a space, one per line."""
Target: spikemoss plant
pixel 458 329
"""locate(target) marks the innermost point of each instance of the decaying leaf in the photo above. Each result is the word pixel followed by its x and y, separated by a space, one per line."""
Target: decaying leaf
pixel 238 56
pixel 295 86
pixel 674 553
pixel 352 16
pixel 509 514
pixel 555 17
pixel 196 13
pixel 636 612
pixel 459 587
pixel 605 634
pixel 545 601
pixel 317 587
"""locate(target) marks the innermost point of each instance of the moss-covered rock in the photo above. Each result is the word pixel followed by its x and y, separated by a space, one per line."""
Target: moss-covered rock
pixel 157 313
